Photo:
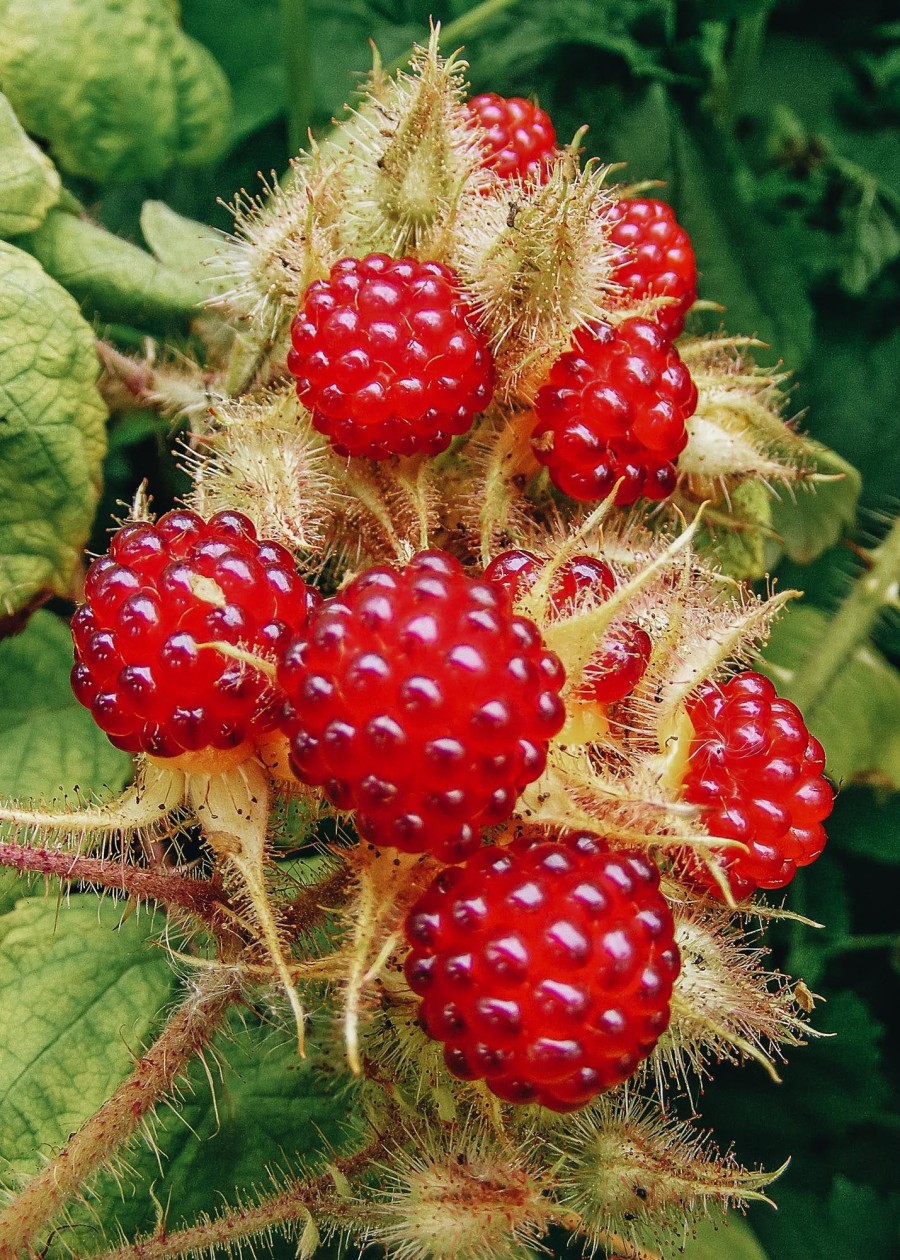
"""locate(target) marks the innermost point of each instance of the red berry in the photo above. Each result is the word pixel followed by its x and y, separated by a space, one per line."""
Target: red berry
pixel 615 405
pixel 388 358
pixel 757 772
pixel 659 261
pixel 421 701
pixel 164 590
pixel 621 660
pixel 545 968
pixel 520 139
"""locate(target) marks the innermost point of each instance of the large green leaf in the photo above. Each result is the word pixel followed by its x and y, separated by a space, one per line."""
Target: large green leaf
pixel 82 990
pixel 732 1241
pixel 52 434
pixel 108 275
pixel 117 90
pixel 858 721
pixel 29 183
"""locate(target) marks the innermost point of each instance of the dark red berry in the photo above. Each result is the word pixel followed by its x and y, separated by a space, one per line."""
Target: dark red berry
pixel 621 660
pixel 163 591
pixel 658 260
pixel 421 701
pixel 545 968
pixel 388 358
pixel 520 140
pixel 615 406
pixel 757 772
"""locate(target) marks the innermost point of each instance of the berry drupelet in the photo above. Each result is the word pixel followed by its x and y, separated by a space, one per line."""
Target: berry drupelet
pixel 420 700
pixel 658 258
pixel 615 406
pixel 388 357
pixel 163 592
pixel 622 657
pixel 757 773
pixel 545 968
pixel 520 140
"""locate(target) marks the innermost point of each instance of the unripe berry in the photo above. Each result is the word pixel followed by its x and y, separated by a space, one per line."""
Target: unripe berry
pixel 388 358
pixel 615 407
pixel 419 700
pixel 164 592
pixel 545 968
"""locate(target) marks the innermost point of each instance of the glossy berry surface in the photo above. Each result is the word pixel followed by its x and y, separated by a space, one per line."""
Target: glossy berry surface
pixel 421 701
pixel 615 406
pixel 388 358
pixel 163 590
pixel 520 139
pixel 545 968
pixel 757 772
pixel 658 258
pixel 621 659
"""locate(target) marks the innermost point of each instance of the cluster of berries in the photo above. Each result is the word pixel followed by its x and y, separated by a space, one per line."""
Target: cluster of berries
pixel 421 700
pixel 391 360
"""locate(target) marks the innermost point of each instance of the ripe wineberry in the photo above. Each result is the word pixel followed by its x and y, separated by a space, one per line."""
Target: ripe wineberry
pixel 520 140
pixel 658 260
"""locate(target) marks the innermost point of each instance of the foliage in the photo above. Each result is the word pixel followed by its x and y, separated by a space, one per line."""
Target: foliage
pixel 773 126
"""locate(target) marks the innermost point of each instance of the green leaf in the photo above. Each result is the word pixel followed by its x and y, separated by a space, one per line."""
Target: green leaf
pixel 271 1110
pixel 118 90
pixel 49 742
pixel 29 183
pixel 736 539
pixel 854 1221
pixel 52 435
pixel 812 516
pixel 714 1241
pixel 245 38
pixel 858 721
pixel 874 825
pixel 82 991
pixel 184 246
pixel 109 275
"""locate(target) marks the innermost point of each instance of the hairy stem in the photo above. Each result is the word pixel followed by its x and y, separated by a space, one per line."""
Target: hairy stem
pixel 109 1130
pixel 295 37
pixel 293 1207
pixel 202 897
pixel 852 625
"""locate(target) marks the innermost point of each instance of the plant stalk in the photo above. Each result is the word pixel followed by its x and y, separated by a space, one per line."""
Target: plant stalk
pixel 295 35
pixel 110 1128
pixel 463 28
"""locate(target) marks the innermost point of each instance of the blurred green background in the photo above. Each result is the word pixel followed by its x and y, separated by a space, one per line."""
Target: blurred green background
pixel 774 127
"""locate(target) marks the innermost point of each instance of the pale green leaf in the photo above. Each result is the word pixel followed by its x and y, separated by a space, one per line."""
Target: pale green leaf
pixel 733 1240
pixel 115 278
pixel 83 991
pixel 810 517
pixel 858 721
pixel 52 433
pixel 183 245
pixel 29 183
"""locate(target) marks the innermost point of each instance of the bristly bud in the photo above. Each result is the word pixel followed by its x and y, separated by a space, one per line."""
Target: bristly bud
pixel 627 1171
pixel 264 459
pixel 408 151
pixel 455 1194
pixel 737 430
pixel 537 260
pixel 726 1005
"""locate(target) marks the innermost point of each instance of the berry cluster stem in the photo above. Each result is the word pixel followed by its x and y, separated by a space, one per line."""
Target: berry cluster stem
pixel 875 590
pixel 297 69
pixel 110 1128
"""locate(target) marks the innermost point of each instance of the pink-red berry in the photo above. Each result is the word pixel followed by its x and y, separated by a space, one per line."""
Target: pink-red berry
pixel 163 591
pixel 622 657
pixel 757 773
pixel 421 701
pixel 615 406
pixel 658 258
pixel 388 357
pixel 519 138
pixel 546 969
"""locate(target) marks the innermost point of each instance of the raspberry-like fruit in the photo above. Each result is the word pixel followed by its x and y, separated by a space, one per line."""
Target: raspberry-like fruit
pixel 621 659
pixel 545 968
pixel 421 701
pixel 388 357
pixel 659 261
pixel 757 772
pixel 163 591
pixel 615 406
pixel 520 139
